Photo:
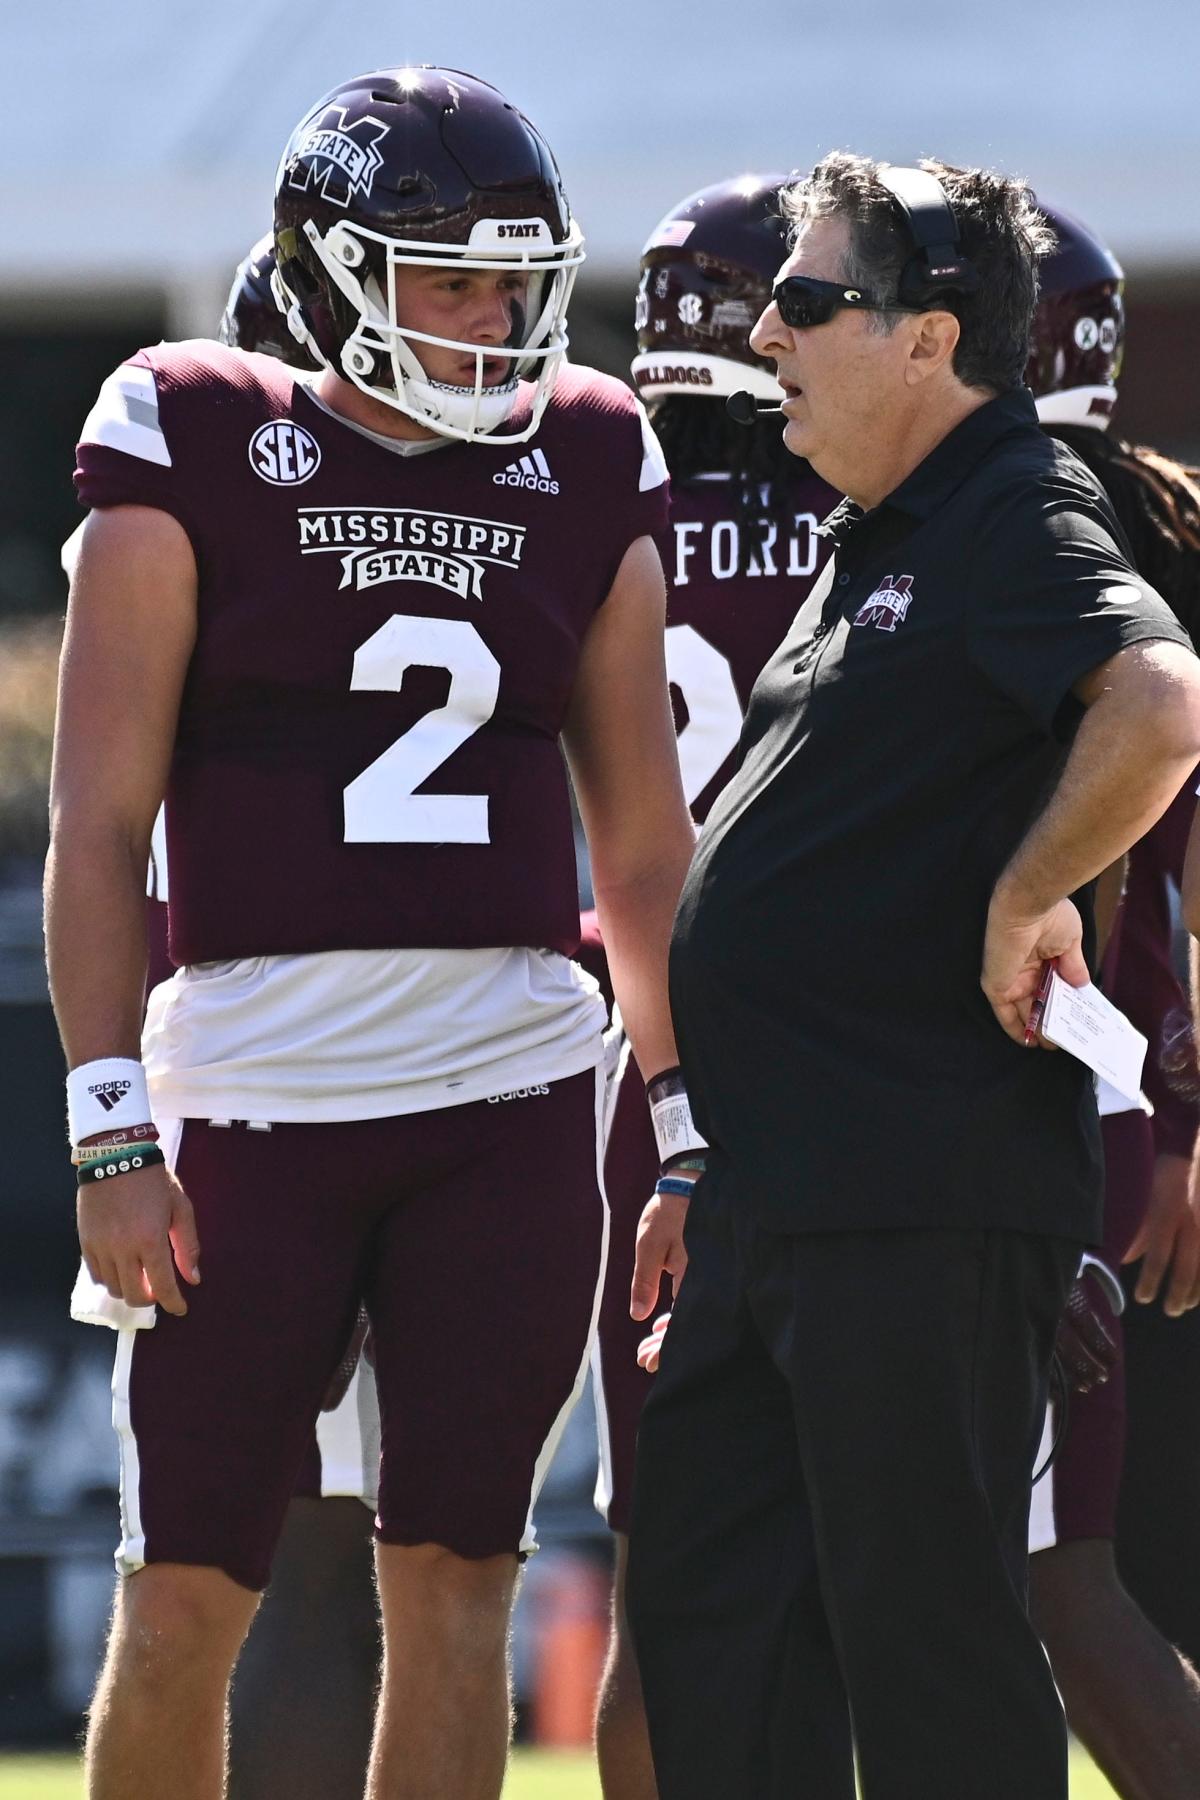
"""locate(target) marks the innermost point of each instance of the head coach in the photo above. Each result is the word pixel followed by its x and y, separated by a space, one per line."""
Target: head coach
pixel 979 707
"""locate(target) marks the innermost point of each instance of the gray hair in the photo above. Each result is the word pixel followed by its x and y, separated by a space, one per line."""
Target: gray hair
pixel 1001 231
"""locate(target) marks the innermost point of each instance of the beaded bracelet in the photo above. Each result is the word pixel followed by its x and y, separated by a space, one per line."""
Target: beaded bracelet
pixel 123 1163
pixel 121 1143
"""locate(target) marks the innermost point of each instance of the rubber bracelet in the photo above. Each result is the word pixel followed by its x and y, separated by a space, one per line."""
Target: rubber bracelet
pixel 108 1094
pixel 121 1164
pixel 97 1148
pixel 128 1136
pixel 675 1164
pixel 674 1184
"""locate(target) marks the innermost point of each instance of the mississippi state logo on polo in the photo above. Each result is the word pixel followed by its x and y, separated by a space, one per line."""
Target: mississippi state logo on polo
pixel 888 605
pixel 284 454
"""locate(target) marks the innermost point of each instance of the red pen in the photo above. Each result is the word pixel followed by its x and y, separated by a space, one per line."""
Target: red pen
pixel 1034 1020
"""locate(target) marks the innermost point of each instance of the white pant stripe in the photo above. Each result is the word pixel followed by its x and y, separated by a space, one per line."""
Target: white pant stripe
pixel 1043 1526
pixel 131 1551
pixel 348 1440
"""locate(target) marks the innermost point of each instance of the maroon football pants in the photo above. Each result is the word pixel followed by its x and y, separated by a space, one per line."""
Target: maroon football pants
pixel 474 1236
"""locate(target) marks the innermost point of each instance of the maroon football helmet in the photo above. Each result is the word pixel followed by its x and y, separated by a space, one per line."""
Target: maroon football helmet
pixel 1078 327
pixel 252 319
pixel 707 272
pixel 421 166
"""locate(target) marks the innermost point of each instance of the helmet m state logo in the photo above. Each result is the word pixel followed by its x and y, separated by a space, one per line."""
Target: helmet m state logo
pixel 888 605
pixel 339 160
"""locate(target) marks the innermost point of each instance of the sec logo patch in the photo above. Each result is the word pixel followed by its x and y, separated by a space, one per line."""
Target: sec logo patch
pixel 284 454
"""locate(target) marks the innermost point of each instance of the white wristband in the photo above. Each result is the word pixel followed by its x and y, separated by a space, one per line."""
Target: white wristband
pixel 674 1129
pixel 109 1094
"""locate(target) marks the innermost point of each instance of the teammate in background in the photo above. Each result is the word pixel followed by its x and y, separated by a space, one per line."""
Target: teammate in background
pixel 740 553
pixel 1128 1695
pixel 345 632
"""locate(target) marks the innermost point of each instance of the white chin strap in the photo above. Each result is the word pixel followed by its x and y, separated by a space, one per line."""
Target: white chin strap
pixel 468 409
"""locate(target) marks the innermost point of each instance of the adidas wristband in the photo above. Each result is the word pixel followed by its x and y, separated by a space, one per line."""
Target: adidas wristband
pixel 106 1095
pixel 671 1115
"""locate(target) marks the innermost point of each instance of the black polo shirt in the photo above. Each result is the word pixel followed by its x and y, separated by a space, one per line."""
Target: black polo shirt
pixel 840 1054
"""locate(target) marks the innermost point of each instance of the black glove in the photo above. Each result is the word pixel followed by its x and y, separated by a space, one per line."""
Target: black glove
pixel 343 1375
pixel 1086 1348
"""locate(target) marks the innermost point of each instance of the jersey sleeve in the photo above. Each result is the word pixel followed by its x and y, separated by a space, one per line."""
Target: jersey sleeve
pixel 124 456
pixel 1056 596
pixel 639 492
pixel 654 488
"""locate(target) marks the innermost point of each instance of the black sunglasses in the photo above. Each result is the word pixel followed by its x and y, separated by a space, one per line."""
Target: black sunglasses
pixel 801 300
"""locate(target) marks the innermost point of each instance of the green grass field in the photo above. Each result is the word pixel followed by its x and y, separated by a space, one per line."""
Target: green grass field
pixel 535 1775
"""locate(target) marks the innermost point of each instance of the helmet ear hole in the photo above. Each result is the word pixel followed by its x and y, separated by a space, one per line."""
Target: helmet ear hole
pixel 345 247
pixel 357 361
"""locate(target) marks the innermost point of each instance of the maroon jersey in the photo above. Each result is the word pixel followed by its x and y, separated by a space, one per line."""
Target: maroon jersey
pixel 367 753
pixel 721 625
pixel 1139 974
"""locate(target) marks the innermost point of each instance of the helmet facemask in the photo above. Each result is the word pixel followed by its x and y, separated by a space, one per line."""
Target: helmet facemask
pixel 381 356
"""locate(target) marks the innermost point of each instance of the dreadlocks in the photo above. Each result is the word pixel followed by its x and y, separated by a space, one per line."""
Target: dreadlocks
pixel 1157 503
pixel 699 438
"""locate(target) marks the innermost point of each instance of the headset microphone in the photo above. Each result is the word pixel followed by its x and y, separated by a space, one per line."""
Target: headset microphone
pixel 744 409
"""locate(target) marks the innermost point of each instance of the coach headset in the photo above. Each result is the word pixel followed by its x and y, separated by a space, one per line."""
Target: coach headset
pixel 936 266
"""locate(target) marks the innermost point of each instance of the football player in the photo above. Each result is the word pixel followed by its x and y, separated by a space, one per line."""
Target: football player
pixel 301 1710
pixel 345 627
pixel 740 552
pixel 1128 1695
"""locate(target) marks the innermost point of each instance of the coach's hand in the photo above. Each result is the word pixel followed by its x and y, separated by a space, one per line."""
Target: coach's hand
pixel 650 1348
pixel 660 1252
pixel 130 1227
pixel 1015 946
pixel 1169 1238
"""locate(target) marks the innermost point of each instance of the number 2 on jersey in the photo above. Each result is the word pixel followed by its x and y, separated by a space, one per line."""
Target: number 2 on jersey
pixel 382 806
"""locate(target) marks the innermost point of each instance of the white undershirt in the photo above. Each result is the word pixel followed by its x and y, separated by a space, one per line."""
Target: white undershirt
pixel 365 1034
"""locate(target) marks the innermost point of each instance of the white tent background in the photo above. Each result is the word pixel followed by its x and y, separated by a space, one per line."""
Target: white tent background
pixel 140 139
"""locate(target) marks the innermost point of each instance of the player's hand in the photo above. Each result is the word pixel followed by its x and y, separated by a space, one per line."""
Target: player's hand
pixel 131 1228
pixel 650 1348
pixel 1169 1238
pixel 660 1252
pixel 1085 1346
pixel 1014 948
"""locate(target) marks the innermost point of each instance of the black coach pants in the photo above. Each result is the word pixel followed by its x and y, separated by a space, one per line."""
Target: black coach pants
pixel 830 1516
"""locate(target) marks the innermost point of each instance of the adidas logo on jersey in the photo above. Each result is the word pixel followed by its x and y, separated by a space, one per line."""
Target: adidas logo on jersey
pixel 525 1093
pixel 532 471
